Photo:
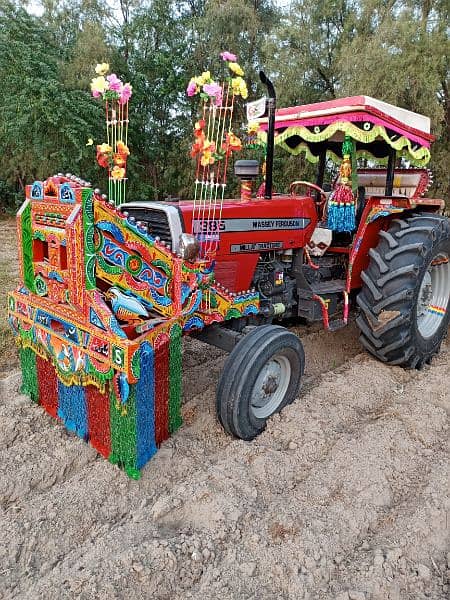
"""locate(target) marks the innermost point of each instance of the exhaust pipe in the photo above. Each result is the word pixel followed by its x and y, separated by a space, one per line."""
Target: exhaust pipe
pixel 271 105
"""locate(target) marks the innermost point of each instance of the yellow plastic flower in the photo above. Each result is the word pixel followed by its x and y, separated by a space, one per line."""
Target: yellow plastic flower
pixel 253 127
pixel 236 83
pixel 243 90
pixel 205 77
pixel 99 85
pixel 104 148
pixel 207 157
pixel 102 68
pixel 118 172
pixel 233 66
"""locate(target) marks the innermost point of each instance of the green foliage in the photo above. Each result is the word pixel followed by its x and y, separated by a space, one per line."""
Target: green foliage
pixel 394 50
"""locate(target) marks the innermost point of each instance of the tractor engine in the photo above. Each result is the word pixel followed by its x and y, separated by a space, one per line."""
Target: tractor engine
pixel 275 283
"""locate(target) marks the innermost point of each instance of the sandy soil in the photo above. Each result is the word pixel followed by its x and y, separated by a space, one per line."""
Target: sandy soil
pixel 345 496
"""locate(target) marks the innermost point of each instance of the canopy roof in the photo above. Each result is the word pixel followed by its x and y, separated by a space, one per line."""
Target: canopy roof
pixel 375 126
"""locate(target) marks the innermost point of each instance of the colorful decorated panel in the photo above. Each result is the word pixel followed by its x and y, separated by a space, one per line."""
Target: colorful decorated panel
pixel 99 316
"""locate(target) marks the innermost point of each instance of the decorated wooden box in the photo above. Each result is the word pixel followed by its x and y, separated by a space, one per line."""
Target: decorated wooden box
pixel 99 316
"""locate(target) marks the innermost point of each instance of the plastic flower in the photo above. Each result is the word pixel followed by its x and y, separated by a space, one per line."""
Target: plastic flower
pixel 214 90
pixel 199 127
pixel 208 153
pixel 253 127
pixel 103 155
pixel 120 159
pixel 122 148
pixel 104 148
pixel 228 56
pixel 243 90
pixel 192 88
pixel 99 86
pixel 102 68
pixel 125 93
pixel 205 77
pixel 117 172
pixel 235 68
pixel 239 87
pixel 232 143
pixel 115 84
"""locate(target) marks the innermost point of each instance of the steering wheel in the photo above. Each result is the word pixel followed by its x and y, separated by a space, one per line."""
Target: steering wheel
pixel 295 184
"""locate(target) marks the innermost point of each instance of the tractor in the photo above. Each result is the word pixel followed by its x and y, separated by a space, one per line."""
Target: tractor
pixel 393 261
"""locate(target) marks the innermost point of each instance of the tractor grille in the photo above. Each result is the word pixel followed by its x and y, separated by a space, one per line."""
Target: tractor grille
pixel 156 221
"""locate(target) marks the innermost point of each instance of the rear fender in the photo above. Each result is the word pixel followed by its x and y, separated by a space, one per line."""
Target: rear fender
pixel 377 215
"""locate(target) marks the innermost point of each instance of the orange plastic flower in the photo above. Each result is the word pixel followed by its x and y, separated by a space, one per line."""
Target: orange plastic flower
pixel 122 148
pixel 232 143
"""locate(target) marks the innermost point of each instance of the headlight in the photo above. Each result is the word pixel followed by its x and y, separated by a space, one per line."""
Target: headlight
pixel 189 246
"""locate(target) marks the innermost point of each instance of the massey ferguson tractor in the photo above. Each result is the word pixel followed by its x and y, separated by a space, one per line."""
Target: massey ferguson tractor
pixel 393 260
pixel 108 288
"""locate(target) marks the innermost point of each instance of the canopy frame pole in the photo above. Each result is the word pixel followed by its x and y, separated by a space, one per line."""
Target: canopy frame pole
pixel 271 106
pixel 321 171
pixel 390 172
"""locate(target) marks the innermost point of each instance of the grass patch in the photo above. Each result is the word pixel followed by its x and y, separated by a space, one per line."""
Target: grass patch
pixel 9 359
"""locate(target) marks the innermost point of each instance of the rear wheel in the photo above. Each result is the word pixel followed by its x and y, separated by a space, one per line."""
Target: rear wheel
pixel 260 377
pixel 404 300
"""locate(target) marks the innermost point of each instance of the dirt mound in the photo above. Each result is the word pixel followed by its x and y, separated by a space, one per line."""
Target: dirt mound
pixel 345 496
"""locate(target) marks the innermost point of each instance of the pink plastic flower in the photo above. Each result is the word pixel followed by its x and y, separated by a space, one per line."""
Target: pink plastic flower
pixel 214 91
pixel 228 56
pixel 96 93
pixel 191 89
pixel 125 93
pixel 115 84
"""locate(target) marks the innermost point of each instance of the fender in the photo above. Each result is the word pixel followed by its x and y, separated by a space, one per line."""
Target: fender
pixel 377 215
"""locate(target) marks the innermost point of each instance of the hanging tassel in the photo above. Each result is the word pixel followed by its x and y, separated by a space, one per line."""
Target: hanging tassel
pixel 341 204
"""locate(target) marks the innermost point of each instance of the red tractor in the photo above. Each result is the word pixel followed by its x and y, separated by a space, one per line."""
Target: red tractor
pixel 393 260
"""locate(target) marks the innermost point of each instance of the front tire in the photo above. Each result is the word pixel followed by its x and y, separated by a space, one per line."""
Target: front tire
pixel 261 376
pixel 404 300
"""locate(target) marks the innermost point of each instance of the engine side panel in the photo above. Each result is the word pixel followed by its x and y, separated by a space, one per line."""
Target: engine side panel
pixel 245 229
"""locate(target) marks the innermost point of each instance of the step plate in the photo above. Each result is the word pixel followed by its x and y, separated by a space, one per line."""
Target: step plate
pixel 333 286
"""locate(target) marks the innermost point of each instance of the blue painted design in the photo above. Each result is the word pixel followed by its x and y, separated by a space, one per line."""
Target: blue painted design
pixel 382 213
pixel 250 310
pixel 112 229
pixel 145 406
pixel 115 327
pixel 198 295
pixel 161 300
pixel 72 408
pixel 94 319
pixel 124 387
pixel 126 302
pixel 193 323
pixel 24 291
pixel 56 276
pixel 185 291
pixel 66 194
pixel 57 325
pixel 37 191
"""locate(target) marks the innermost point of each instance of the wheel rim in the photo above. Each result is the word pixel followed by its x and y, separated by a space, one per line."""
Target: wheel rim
pixel 270 387
pixel 433 296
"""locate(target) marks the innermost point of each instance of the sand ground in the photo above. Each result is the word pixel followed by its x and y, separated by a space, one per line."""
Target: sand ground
pixel 345 496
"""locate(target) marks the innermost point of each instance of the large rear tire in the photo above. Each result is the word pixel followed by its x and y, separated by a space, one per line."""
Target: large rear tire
pixel 260 377
pixel 404 300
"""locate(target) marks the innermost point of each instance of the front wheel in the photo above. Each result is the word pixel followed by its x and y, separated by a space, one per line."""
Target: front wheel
pixel 404 300
pixel 260 377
